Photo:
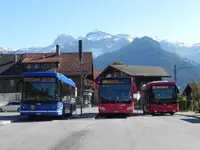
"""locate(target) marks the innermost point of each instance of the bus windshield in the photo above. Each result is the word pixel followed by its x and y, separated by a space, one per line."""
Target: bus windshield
pixel 39 91
pixel 115 93
pixel 167 92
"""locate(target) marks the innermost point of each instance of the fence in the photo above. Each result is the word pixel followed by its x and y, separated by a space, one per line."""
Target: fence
pixel 9 97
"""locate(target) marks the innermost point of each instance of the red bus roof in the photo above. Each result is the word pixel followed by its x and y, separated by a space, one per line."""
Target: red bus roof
pixel 161 82
pixel 148 85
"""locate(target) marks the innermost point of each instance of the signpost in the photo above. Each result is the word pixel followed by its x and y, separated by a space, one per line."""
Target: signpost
pixel 81 74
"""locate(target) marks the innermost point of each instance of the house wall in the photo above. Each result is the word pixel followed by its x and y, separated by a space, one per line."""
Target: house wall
pixel 9 97
pixel 10 85
pixel 10 89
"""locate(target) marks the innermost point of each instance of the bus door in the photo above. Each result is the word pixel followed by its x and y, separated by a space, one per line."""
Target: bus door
pixel 148 98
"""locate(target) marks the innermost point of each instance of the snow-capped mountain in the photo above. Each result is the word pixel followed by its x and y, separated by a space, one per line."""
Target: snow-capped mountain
pixel 188 51
pixel 6 50
pixel 96 41
pixel 100 42
pixel 97 35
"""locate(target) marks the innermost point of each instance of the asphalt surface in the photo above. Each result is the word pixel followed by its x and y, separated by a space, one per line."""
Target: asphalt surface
pixel 112 133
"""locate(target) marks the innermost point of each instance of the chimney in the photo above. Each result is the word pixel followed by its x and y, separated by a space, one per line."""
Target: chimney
pixel 44 56
pixel 57 50
pixel 15 57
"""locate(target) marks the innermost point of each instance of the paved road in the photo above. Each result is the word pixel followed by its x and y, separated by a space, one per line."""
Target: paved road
pixel 132 133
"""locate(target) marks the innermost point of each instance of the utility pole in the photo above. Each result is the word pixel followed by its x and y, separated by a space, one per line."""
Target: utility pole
pixel 175 73
pixel 176 68
pixel 81 75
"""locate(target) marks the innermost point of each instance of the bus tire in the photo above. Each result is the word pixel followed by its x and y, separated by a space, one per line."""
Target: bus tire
pixel 144 112
pixel 171 113
pixel 18 110
pixel 71 111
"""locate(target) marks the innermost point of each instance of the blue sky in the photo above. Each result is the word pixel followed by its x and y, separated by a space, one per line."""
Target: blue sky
pixel 27 23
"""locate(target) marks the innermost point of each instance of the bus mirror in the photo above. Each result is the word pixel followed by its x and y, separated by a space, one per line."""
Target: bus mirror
pixel 178 89
pixel 134 89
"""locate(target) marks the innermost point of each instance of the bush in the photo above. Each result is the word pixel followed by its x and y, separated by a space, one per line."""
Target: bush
pixel 195 95
pixel 183 103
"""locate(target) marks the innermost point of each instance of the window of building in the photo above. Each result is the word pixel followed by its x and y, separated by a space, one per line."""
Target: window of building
pixel 36 66
pixel 46 66
pixel 28 66
pixel 53 65
pixel 12 83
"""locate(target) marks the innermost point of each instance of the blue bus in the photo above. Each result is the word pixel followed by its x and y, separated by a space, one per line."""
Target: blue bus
pixel 47 93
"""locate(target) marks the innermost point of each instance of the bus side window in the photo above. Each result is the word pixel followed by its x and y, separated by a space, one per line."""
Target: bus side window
pixel 63 91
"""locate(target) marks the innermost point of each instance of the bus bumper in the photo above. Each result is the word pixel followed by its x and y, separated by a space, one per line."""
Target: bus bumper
pixel 116 109
pixel 41 113
pixel 172 108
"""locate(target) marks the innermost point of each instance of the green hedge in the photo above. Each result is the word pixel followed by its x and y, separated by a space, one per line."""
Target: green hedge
pixel 184 105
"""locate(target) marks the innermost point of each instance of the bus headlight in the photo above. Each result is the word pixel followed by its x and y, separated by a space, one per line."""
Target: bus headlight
pixel 59 106
pixel 102 108
pixel 130 108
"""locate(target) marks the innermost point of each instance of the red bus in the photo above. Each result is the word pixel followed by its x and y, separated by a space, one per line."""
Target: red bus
pixel 159 97
pixel 116 95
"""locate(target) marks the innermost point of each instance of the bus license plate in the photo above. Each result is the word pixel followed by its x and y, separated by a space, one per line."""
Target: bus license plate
pixel 38 113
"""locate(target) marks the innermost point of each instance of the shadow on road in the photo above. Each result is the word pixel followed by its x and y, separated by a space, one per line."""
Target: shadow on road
pixel 113 116
pixel 8 117
pixel 38 119
pixel 162 115
pixel 192 120
pixel 84 116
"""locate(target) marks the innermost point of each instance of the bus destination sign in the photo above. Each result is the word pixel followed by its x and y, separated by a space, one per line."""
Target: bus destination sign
pixel 160 87
pixel 116 81
pixel 38 79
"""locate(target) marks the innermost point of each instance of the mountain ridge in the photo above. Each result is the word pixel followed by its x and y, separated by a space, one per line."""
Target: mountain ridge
pixel 147 52
pixel 100 42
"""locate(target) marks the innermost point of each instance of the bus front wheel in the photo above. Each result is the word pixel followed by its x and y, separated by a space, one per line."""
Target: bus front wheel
pixel 144 112
pixel 172 113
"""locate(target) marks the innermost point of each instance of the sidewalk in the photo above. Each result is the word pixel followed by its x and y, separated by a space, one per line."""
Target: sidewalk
pixel 189 114
pixel 7 117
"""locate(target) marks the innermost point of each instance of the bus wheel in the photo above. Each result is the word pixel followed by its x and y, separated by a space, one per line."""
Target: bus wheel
pixel 71 111
pixel 144 112
pixel 172 113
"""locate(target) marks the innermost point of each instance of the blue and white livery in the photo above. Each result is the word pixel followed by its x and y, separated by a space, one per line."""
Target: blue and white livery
pixel 47 93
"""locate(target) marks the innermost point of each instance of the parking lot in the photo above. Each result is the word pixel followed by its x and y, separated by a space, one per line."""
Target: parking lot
pixel 89 132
